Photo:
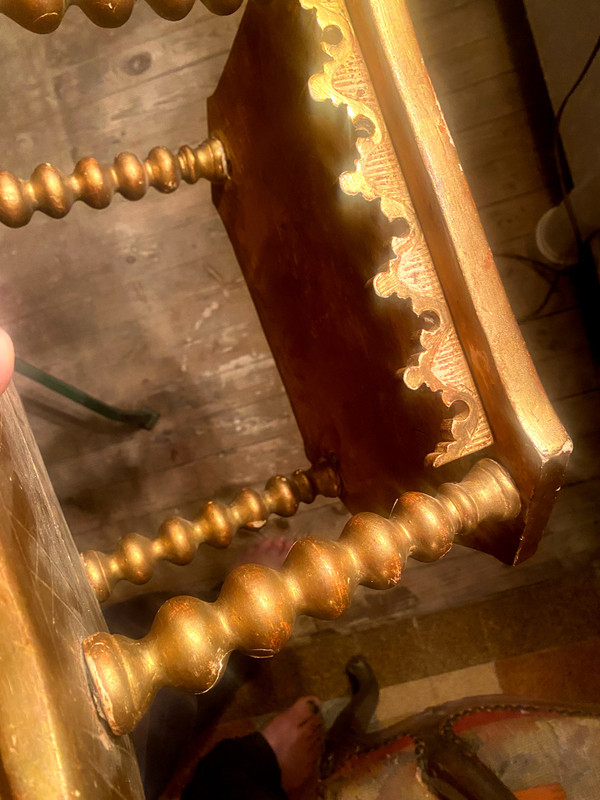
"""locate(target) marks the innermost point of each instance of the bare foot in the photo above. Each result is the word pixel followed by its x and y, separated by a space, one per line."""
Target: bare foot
pixel 267 552
pixel 295 737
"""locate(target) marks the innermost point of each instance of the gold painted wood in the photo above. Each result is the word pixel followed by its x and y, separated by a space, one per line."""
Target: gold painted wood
pixel 437 360
pixel 428 320
pixel 52 743
pixel 44 16
pixel 190 640
pixel 135 556
pixel 529 438
pixel 366 210
pixel 311 258
pixel 54 193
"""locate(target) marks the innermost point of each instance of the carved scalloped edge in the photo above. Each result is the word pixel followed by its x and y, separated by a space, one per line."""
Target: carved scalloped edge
pixel 467 430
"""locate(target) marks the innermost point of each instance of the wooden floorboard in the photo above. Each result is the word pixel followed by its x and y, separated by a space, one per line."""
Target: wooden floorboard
pixel 145 304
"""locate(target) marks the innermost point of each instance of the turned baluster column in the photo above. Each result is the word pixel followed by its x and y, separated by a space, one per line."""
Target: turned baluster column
pixel 44 16
pixel 51 191
pixel 135 556
pixel 190 640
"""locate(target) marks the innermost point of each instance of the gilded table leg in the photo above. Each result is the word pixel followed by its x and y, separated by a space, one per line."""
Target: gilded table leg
pixel 52 192
pixel 178 539
pixel 190 640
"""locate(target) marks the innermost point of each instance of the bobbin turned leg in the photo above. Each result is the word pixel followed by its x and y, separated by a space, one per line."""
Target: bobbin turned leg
pixel 190 640
pixel 54 193
pixel 135 556
pixel 44 16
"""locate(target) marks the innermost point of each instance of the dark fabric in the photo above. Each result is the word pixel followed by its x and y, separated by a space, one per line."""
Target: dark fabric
pixel 175 716
pixel 237 769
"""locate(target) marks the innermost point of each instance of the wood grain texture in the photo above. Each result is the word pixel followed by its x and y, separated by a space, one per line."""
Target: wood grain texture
pixel 146 304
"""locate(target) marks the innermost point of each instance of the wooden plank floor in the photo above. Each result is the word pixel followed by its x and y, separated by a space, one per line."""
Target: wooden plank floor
pixel 145 304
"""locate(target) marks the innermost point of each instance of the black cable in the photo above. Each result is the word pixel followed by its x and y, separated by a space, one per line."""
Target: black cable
pixel 542 268
pixel 547 297
pixel 584 275
pixel 557 145
pixel 547 271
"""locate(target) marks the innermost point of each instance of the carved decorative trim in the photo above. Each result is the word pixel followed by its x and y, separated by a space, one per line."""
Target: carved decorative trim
pixel 438 361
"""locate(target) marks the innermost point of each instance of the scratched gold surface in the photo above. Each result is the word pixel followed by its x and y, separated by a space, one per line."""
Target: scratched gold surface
pixel 52 742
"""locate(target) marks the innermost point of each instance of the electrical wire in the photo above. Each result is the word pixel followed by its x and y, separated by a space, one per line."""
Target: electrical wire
pixel 557 144
pixel 547 272
pixel 550 273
